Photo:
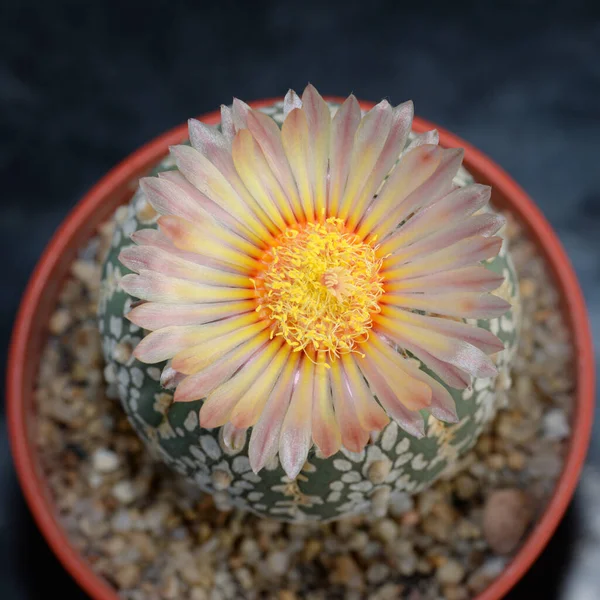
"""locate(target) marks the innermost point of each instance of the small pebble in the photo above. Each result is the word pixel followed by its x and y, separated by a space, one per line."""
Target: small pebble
pixel 105 461
pixel 59 321
pixel 124 492
pixel 506 515
pixel 555 425
pixel 277 563
pixel 451 572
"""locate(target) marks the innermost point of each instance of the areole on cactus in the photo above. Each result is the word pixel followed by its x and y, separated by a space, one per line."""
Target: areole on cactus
pixel 314 303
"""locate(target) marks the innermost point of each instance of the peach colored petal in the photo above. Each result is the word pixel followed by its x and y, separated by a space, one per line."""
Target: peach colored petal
pixel 465 279
pixel 295 139
pixel 268 136
pixel 410 421
pixel 442 404
pixel 258 178
pixel 325 428
pixel 295 438
pixel 207 239
pixel 455 352
pixel 412 171
pixel 194 358
pixel 199 384
pixel 248 410
pixel 452 209
pixel 402 116
pixel 318 119
pixel 154 315
pixel 369 141
pixel 264 440
pixel 354 437
pixel 370 415
pixel 151 258
pixel 343 128
pixel 220 403
pixel 155 287
pixel 413 394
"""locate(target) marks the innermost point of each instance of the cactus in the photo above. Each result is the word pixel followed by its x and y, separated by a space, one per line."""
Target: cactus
pixel 375 402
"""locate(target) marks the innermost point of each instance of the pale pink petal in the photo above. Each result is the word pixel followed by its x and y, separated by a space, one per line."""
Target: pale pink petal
pixel 234 439
pixel 466 252
pixel 156 287
pixel 152 258
pixel 412 394
pixel 435 187
pixel 295 139
pixel 465 279
pixel 170 378
pixel 202 383
pixel 208 205
pixel 412 171
pixel 442 405
pixel 154 315
pixel 484 225
pixel 166 342
pixel 248 410
pixel 343 128
pixel 477 336
pixel 410 421
pixel 198 357
pixel 369 141
pixel 268 136
pixel 264 440
pixel 157 239
pixel 428 137
pixel 370 415
pixel 290 102
pixel 255 173
pixel 318 118
pixel 453 208
pixel 354 437
pixel 295 438
pixel 402 116
pixel 227 126
pixel 456 352
pixel 221 402
pixel 211 181
pixel 208 239
pixel 207 139
pixel 461 305
pixel 239 110
pixel 325 428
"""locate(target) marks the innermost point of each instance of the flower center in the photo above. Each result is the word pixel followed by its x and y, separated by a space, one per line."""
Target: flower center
pixel 320 286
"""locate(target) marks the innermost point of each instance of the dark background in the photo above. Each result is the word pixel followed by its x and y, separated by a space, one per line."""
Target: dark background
pixel 84 83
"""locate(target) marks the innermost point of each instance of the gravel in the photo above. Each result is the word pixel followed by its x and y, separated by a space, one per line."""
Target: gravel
pixel 151 538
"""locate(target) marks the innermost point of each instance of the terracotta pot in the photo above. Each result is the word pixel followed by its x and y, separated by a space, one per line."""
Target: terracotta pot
pixel 115 188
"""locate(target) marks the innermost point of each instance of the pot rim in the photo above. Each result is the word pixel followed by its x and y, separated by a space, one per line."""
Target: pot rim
pixel 26 331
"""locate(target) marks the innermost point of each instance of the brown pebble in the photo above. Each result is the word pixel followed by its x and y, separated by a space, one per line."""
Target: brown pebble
pixel 286 595
pixel 465 487
pixel 516 461
pixel 128 576
pixel 59 321
pixel 506 515
pixel 379 470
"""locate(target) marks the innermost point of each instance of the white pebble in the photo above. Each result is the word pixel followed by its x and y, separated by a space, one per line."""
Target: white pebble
pixel 124 492
pixel 556 426
pixel 105 461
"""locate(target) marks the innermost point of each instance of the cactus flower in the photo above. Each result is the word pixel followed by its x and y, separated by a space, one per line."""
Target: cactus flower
pixel 297 272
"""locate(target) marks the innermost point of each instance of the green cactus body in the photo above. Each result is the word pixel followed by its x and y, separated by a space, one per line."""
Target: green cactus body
pixel 393 465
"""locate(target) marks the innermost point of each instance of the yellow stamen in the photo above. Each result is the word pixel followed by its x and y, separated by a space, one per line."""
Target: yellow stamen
pixel 320 286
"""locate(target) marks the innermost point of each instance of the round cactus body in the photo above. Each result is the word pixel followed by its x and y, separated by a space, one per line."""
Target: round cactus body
pixel 393 464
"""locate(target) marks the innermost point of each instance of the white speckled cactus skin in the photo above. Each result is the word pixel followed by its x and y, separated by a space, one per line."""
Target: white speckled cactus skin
pixel 346 483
